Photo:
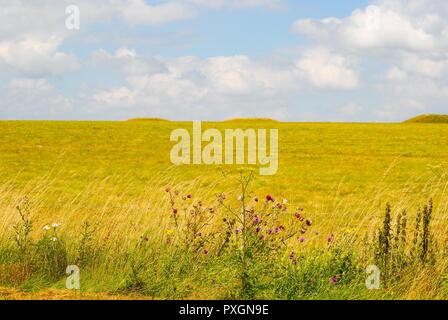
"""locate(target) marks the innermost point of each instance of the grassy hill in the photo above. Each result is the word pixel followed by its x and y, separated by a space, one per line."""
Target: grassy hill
pixel 105 185
pixel 429 118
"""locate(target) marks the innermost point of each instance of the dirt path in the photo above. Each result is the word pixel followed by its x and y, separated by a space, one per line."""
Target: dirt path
pixel 53 294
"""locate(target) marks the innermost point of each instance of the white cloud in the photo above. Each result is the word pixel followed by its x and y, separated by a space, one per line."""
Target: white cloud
pixel 37 57
pixel 385 25
pixel 408 38
pixel 327 70
pixel 138 12
pixel 215 85
pixel 239 4
pixel 33 99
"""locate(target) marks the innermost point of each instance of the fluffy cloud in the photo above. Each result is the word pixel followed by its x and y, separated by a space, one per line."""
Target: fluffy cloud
pixel 36 57
pixel 409 38
pixel 239 4
pixel 26 98
pixel 327 70
pixel 138 12
pixel 202 86
pixel 384 25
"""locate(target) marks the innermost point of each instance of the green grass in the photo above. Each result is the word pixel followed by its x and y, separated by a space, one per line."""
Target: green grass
pixel 429 118
pixel 318 162
pixel 113 175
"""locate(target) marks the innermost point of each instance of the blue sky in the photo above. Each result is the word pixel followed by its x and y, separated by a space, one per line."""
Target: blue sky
pixel 378 60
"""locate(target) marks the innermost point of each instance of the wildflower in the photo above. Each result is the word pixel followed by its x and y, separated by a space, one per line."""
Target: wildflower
pixel 302 239
pixel 258 230
pixel 240 198
pixel 205 251
pixel 308 222
pixel 46 228
pixel 55 225
pixel 175 211
pixel 330 238
pixel 54 239
pixel 298 215
pixel 285 201
pixel 237 231
pixel 262 237
pixel 257 220
pixel 189 196
pixel 334 280
pixel 270 231
pixel 282 228
pixel 270 198
pixel 293 259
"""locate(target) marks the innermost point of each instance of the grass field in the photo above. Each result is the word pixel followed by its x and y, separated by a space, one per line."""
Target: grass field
pixel 104 183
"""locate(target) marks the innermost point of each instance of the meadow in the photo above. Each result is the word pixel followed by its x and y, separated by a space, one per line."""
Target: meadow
pixel 104 196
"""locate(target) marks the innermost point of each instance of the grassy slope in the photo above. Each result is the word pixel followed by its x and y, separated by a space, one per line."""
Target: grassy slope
pixel 429 118
pixel 315 159
pixel 114 173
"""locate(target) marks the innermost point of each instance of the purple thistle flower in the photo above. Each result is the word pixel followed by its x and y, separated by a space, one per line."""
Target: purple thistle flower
pixel 269 198
pixel 205 251
pixel 302 239
pixel 293 259
pixel 270 231
pixel 262 237
pixel 334 280
pixel 258 230
pixel 330 238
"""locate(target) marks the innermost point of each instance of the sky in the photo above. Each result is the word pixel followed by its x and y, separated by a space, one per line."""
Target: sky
pixel 302 60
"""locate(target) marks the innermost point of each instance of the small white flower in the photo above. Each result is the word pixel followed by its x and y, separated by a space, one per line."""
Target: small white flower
pixel 55 225
pixel 285 201
pixel 54 239
pixel 46 228
pixel 240 198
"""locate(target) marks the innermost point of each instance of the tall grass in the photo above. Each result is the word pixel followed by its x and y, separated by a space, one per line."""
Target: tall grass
pixel 202 239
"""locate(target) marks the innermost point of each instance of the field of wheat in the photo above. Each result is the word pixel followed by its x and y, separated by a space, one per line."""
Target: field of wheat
pixel 104 196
